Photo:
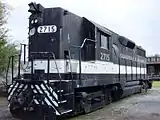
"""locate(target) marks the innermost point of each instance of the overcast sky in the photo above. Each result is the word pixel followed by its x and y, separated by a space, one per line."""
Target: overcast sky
pixel 139 20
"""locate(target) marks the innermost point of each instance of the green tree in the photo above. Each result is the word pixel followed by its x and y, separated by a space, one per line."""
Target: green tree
pixel 6 49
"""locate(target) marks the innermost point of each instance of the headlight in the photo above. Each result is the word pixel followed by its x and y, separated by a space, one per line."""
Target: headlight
pixel 32 31
pixel 32 21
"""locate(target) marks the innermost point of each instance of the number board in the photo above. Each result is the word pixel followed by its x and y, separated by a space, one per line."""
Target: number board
pixel 47 29
pixel 104 56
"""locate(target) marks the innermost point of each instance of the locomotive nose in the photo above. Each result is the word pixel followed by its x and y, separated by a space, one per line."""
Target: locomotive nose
pixel 44 35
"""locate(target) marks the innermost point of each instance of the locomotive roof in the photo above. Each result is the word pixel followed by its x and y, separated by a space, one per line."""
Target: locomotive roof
pixel 100 27
pixel 106 30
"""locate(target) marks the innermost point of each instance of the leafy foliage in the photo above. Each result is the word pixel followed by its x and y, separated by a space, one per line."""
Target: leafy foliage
pixel 6 49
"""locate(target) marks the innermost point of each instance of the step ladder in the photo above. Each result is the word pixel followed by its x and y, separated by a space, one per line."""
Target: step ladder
pixel 61 93
pixel 63 103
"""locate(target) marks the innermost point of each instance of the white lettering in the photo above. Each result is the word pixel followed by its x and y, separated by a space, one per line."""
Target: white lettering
pixel 104 56
pixel 47 29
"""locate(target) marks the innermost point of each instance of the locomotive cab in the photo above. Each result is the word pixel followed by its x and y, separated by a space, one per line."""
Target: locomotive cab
pixel 44 31
pixel 58 31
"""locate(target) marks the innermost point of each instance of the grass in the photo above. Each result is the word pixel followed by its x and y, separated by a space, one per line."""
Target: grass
pixel 156 84
pixel 2 100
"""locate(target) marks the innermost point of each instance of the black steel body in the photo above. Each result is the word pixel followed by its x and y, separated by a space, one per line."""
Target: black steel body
pixel 75 65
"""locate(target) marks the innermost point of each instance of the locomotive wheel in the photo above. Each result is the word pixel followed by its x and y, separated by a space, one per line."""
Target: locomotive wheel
pixel 144 87
pixel 110 98
pixel 86 106
pixel 87 109
pixel 117 94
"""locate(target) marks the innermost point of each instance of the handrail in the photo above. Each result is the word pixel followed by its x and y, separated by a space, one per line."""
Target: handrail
pixel 58 74
pixel 8 70
pixel 80 47
pixel 53 55
pixel 11 60
pixel 83 43
pixel 86 39
pixel 73 104
pixel 56 65
pixel 70 65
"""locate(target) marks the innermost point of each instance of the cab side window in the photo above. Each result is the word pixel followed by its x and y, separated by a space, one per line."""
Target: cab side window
pixel 104 41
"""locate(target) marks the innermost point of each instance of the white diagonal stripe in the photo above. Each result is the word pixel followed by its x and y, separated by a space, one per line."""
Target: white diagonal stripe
pixel 55 95
pixel 36 101
pixel 25 87
pixel 21 86
pixel 35 91
pixel 32 86
pixel 38 89
pixel 13 91
pixel 10 88
pixel 46 100
pixel 54 102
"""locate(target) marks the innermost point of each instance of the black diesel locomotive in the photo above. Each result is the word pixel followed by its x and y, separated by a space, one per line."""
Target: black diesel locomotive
pixel 74 66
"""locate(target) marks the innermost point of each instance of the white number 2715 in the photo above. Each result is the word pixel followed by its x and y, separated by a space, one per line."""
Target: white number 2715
pixel 47 29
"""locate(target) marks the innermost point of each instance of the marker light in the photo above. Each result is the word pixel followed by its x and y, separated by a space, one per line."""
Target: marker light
pixel 35 21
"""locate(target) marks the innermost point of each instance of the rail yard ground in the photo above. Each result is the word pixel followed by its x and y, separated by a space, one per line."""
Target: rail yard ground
pixel 144 106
